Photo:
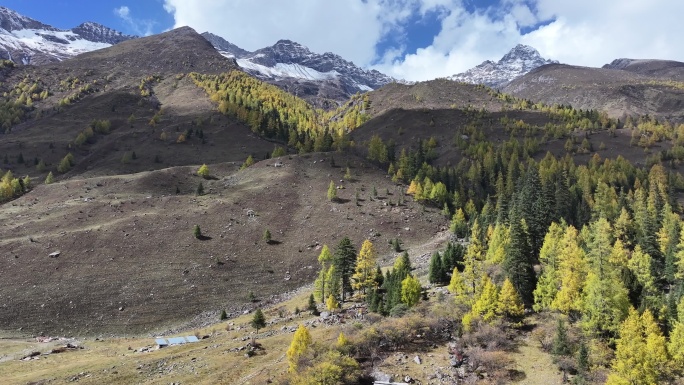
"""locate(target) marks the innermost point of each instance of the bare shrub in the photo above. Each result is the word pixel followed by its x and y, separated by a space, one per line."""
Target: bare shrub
pixel 494 363
pixel 488 336
pixel 543 335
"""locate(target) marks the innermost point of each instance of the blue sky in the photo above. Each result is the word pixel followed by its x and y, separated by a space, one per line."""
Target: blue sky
pixel 145 15
pixel 411 39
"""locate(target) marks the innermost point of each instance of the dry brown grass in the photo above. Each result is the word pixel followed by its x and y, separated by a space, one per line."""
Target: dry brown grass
pixel 616 92
pixel 215 360
pixel 130 264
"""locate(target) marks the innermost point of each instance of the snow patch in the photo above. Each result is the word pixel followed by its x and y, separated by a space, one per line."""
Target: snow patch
pixel 282 70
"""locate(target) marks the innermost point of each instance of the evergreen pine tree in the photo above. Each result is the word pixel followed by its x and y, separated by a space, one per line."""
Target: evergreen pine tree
pixel 344 261
pixel 258 321
pixel 312 305
pixel 518 261
pixel 561 345
pixel 583 359
pixel 436 269
pixel 459 225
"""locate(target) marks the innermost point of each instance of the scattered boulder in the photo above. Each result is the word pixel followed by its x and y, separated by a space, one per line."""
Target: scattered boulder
pixel 31 356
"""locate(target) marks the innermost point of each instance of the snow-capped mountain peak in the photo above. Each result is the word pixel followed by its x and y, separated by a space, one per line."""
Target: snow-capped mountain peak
pixel 11 20
pixel 27 41
pixel 517 62
pixel 99 33
pixel 295 68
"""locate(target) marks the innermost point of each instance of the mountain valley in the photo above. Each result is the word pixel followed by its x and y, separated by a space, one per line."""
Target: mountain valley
pixel 498 226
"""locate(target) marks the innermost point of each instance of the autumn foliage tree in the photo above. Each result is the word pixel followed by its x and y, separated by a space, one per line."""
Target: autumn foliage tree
pixel 300 343
pixel 322 283
pixel 332 192
pixel 203 171
pixel 365 274
pixel 641 354
pixel 410 291
pixel 509 305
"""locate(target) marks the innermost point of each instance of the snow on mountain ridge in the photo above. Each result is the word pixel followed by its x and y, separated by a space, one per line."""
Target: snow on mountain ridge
pixel 27 41
pixel 11 20
pixel 288 62
pixel 517 62
pixel 99 33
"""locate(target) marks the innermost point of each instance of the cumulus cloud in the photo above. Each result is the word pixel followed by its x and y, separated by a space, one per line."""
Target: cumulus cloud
pixel 140 27
pixel 592 33
pixel 583 32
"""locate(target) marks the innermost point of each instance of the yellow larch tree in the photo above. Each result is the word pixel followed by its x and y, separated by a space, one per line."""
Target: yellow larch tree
pixel 487 303
pixel 364 276
pixel 572 270
pixel 510 305
pixel 300 342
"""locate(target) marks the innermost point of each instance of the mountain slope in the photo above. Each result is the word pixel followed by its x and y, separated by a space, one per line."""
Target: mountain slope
pixel 129 262
pixel 27 41
pixel 127 84
pixel 667 69
pixel 324 80
pixel 617 92
pixel 517 62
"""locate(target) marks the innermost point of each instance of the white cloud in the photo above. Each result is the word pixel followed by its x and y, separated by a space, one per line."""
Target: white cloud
pixel 592 33
pixel 123 12
pixel 138 26
pixel 583 32
pixel 350 28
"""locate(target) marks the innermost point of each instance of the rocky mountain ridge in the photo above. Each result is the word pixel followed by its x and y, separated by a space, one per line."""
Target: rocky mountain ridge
pixel 27 41
pixel 667 69
pixel 323 79
pixel 517 62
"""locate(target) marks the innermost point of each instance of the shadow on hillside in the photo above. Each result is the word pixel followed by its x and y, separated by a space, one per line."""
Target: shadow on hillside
pixel 204 238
